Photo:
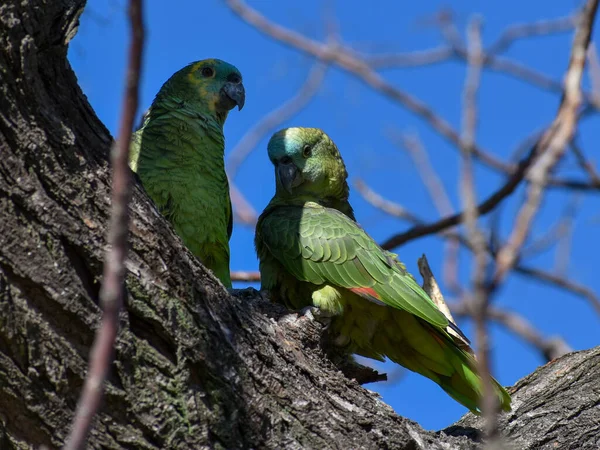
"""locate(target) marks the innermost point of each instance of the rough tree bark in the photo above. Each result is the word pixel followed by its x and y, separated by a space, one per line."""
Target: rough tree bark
pixel 195 367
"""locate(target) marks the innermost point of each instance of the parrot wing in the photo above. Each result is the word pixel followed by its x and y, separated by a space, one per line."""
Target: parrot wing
pixel 321 245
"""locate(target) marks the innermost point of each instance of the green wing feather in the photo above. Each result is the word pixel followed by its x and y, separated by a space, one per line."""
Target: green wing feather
pixel 321 245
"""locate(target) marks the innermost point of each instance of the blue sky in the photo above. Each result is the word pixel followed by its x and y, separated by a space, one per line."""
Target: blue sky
pixel 358 119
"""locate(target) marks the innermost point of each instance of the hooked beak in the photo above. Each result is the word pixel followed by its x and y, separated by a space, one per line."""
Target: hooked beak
pixel 236 93
pixel 289 176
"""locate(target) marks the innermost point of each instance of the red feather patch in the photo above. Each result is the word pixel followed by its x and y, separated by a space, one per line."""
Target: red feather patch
pixel 365 291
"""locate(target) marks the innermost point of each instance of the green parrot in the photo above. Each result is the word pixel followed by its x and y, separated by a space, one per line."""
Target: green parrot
pixel 178 155
pixel 313 253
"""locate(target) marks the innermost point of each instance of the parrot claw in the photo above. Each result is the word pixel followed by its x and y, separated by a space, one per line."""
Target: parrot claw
pixel 314 313
pixel 309 313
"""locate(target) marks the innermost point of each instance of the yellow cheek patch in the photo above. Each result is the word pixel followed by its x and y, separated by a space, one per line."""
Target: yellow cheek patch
pixel 210 98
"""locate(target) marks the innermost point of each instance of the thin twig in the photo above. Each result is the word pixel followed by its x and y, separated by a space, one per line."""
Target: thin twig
pixel 243 211
pixel 540 28
pixel 594 72
pixel 522 72
pixel 445 21
pixel 430 178
pixel 549 348
pixel 556 142
pixel 391 208
pixel 111 292
pixel 439 197
pixel 410 59
pixel 562 255
pixel 559 281
pixel 484 207
pixel 250 277
pixel 512 182
pixel 585 164
pixel 557 232
pixel 480 297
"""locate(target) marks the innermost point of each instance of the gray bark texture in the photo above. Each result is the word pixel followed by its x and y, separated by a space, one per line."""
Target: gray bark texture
pixel 194 367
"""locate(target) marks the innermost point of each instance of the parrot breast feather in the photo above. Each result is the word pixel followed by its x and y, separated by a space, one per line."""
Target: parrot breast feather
pixel 321 245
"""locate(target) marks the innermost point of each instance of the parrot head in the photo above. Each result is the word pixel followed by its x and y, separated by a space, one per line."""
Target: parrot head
pixel 307 163
pixel 212 83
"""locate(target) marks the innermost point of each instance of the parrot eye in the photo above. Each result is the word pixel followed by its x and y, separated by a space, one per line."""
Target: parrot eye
pixel 207 72
pixel 306 151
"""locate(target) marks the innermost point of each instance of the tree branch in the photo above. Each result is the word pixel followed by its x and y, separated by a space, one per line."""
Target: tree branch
pixel 550 348
pixel 249 277
pixel 555 143
pixel 111 292
pixel 561 282
pixel 480 297
pixel 527 30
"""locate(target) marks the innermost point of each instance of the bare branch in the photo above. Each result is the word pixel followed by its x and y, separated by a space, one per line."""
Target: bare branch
pixel 410 59
pixel 585 164
pixel 430 178
pixel 561 282
pixel 441 200
pixel 242 209
pixel 249 277
pixel 557 232
pixel 562 255
pixel 550 348
pixel 556 141
pixel 111 292
pixel 484 208
pixel 594 71
pixel 522 31
pixel 395 210
pixel 480 299
pixel 522 72
pixel 516 176
pixel 275 118
pixel 391 208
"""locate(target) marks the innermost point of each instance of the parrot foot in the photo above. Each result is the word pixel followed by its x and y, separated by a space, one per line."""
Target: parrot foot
pixel 314 313
pixel 311 313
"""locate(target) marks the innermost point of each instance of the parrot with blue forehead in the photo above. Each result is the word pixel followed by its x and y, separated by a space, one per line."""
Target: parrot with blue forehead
pixel 313 253
pixel 178 154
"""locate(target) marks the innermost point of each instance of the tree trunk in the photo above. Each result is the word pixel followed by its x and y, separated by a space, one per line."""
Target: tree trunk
pixel 194 367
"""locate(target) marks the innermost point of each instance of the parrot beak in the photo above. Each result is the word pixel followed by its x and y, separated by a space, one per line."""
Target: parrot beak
pixel 289 176
pixel 236 92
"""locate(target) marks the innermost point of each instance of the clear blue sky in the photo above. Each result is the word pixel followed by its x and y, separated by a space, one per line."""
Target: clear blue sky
pixel 357 119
